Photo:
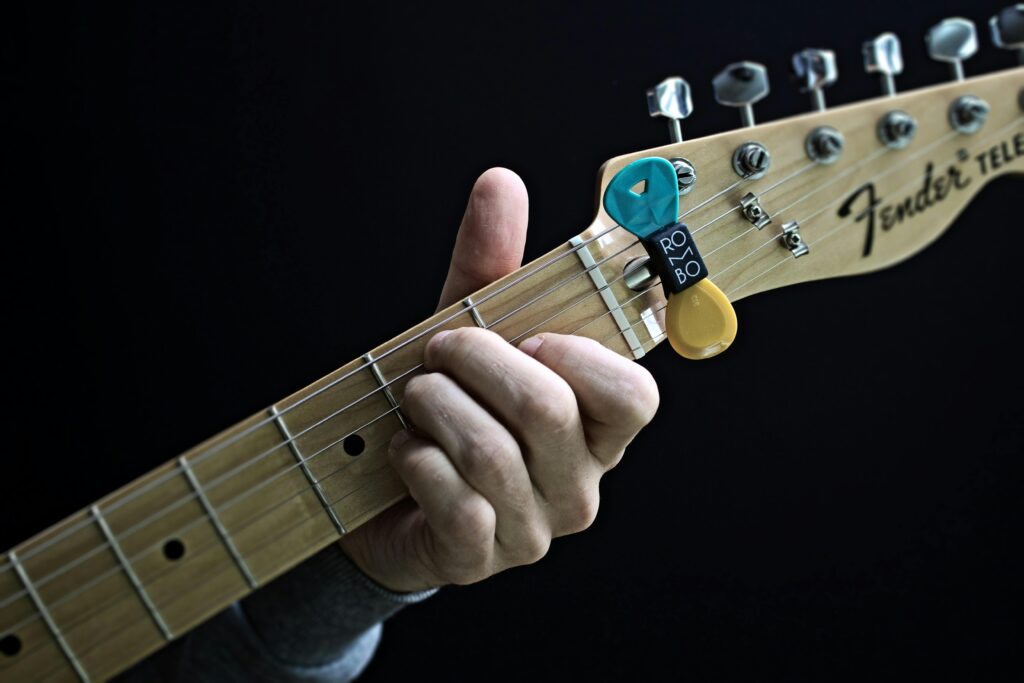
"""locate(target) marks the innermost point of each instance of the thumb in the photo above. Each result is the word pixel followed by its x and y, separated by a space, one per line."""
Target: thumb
pixel 491 237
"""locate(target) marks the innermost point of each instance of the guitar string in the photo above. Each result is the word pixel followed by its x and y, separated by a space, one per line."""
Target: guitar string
pixel 706 225
pixel 917 155
pixel 945 138
pixel 234 471
pixel 220 479
pixel 832 232
pixel 172 474
pixel 152 581
pixel 237 437
pixel 234 438
pixel 278 475
pixel 800 171
pixel 788 258
pixel 225 476
pixel 746 232
pixel 821 239
pixel 140 555
pixel 509 314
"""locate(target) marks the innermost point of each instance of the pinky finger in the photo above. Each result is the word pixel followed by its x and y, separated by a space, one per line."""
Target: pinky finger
pixel 460 521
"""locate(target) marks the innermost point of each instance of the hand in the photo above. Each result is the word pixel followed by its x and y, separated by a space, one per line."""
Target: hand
pixel 510 443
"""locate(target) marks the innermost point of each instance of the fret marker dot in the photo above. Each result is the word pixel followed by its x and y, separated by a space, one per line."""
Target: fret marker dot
pixel 174 549
pixel 354 444
pixel 10 645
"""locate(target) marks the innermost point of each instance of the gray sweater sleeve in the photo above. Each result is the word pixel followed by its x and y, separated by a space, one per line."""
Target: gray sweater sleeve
pixel 319 622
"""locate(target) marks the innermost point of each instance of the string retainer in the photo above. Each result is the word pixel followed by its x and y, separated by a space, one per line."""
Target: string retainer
pixel 699 319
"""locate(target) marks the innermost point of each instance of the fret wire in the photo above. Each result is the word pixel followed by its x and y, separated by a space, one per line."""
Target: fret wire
pixel 294 447
pixel 353 402
pixel 217 525
pixel 736 289
pixel 475 314
pixel 288 498
pixel 308 518
pixel 227 475
pixel 608 297
pixel 574 331
pixel 820 240
pixel 168 476
pixel 583 272
pixel 132 576
pixel 795 174
pixel 233 438
pixel 236 437
pixel 234 471
pixel 47 618
pixel 695 208
pixel 385 386
pixel 37 549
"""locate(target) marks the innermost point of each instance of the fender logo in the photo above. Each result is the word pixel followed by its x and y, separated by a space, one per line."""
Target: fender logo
pixel 872 210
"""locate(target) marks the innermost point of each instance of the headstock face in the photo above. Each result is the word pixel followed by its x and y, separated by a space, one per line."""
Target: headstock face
pixel 872 207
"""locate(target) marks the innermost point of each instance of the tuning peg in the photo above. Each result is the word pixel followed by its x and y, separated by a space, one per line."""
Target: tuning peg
pixel 671 99
pixel 884 56
pixel 953 40
pixel 1008 29
pixel 741 85
pixel 815 69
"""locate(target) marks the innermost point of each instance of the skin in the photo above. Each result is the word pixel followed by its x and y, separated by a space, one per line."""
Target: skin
pixel 509 443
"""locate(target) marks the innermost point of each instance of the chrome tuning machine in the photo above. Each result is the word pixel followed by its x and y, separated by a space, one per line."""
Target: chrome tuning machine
pixel 815 70
pixel 742 85
pixel 954 41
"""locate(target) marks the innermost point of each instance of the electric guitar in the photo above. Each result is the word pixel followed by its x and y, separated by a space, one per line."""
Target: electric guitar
pixel 680 233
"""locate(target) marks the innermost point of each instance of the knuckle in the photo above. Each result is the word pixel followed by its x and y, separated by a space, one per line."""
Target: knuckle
pixel 532 547
pixel 644 398
pixel 555 408
pixel 583 511
pixel 489 458
pixel 470 523
pixel 415 464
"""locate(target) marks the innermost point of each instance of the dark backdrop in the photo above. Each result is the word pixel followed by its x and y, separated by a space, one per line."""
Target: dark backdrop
pixel 203 209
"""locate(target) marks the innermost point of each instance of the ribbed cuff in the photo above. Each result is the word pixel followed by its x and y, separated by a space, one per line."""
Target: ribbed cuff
pixel 312 615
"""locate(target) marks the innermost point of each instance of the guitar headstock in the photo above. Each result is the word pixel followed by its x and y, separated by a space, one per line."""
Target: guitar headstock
pixel 846 190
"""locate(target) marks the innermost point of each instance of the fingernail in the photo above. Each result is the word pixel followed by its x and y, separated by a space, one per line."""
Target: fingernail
pixel 398 440
pixel 530 346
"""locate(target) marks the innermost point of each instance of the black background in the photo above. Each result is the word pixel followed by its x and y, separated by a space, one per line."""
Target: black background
pixel 209 206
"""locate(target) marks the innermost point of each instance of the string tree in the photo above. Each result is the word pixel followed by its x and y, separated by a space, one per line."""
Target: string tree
pixel 792 240
pixel 750 205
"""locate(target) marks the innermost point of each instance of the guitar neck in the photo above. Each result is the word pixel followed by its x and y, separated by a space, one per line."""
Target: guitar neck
pixel 100 590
